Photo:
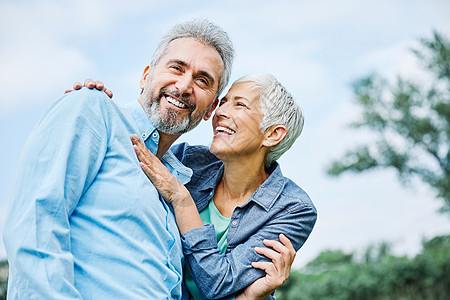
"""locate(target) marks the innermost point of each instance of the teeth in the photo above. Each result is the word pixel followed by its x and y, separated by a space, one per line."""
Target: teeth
pixel 224 129
pixel 175 102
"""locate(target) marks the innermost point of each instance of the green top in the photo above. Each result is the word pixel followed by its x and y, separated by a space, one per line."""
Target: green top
pixel 210 215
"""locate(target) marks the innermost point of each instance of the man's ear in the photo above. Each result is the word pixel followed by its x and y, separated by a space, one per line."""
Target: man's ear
pixel 211 109
pixel 274 135
pixel 144 78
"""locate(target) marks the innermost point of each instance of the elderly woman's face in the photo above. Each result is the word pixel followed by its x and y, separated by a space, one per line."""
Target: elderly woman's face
pixel 236 123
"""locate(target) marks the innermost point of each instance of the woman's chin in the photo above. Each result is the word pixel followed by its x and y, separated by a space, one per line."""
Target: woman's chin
pixel 221 150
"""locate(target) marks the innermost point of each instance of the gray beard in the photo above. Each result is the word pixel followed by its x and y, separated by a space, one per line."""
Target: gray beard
pixel 168 122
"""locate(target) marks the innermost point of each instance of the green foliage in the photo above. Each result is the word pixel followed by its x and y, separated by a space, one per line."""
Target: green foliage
pixel 329 260
pixel 411 121
pixel 383 276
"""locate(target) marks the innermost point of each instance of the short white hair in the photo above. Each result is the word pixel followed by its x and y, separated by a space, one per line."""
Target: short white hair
pixel 278 108
pixel 206 32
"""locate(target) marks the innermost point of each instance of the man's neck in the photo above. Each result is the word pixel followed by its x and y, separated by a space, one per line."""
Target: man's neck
pixel 165 141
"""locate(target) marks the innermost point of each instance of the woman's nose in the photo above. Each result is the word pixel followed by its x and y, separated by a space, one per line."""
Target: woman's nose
pixel 223 111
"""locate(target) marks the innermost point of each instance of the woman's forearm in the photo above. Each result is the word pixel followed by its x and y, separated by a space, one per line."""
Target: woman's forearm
pixel 186 213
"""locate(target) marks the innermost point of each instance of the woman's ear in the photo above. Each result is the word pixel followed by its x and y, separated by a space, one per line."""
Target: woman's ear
pixel 144 78
pixel 274 135
pixel 211 109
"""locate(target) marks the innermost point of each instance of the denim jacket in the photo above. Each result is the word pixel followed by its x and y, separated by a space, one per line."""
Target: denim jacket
pixel 277 206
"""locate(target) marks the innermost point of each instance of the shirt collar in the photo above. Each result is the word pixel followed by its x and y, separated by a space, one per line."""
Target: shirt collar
pixel 145 126
pixel 150 135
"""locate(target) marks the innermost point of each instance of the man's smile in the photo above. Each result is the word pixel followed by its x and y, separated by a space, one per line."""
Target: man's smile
pixel 176 102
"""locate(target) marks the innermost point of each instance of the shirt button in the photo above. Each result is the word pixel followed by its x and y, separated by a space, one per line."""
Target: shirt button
pixel 144 135
pixel 234 222
pixel 155 135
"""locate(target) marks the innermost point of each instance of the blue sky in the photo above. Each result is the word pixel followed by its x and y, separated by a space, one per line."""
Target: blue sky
pixel 315 48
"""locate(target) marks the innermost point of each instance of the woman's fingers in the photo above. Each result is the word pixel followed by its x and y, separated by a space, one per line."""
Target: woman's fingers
pixel 89 83
pixel 285 248
pixel 281 254
pixel 286 242
pixel 99 85
pixel 153 165
pixel 273 276
pixel 266 266
pixel 269 253
pixel 108 92
pixel 77 86
pixel 144 155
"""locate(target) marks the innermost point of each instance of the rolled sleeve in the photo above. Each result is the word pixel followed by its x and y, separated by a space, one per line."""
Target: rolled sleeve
pixel 199 239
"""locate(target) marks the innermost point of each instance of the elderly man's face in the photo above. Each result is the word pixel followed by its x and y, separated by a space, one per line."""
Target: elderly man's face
pixel 181 88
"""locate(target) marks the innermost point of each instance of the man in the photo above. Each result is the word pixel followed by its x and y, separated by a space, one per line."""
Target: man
pixel 85 222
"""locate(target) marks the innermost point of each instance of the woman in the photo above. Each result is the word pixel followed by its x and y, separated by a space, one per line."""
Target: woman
pixel 238 201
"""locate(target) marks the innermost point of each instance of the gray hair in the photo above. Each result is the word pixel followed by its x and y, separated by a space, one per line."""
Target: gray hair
pixel 206 32
pixel 278 108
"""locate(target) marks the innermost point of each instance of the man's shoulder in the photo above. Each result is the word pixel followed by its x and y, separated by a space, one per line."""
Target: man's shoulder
pixel 77 109
pixel 85 99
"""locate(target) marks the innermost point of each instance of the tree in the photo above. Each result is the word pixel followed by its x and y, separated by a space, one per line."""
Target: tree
pixel 329 260
pixel 411 122
pixel 383 276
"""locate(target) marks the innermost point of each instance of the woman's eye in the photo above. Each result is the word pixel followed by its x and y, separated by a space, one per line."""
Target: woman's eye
pixel 241 104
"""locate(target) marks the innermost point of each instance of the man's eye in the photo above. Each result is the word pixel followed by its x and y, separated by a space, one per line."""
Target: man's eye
pixel 175 67
pixel 241 104
pixel 203 81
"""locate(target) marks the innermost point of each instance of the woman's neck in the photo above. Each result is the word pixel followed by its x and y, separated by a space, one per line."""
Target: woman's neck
pixel 241 178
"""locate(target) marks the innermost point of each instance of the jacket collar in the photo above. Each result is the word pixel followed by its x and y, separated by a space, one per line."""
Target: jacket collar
pixel 270 190
pixel 267 193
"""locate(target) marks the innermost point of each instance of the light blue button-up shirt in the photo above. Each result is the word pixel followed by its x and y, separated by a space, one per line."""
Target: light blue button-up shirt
pixel 84 221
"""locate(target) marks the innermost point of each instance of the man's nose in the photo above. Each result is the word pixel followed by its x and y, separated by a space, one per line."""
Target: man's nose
pixel 184 84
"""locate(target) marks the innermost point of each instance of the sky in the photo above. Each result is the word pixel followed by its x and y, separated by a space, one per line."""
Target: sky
pixel 316 49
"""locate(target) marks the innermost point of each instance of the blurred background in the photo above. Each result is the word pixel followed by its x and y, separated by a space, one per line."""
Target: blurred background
pixel 331 55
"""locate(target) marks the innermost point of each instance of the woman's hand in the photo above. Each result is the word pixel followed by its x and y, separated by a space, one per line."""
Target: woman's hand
pixel 91 84
pixel 168 187
pixel 277 270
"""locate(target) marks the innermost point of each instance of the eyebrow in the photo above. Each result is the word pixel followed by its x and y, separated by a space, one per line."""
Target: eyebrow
pixel 234 98
pixel 185 64
pixel 240 98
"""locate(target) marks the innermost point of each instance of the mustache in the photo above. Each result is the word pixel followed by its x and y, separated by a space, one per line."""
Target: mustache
pixel 178 95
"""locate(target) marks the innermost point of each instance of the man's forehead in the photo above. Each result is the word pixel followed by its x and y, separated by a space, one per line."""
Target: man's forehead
pixel 193 49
